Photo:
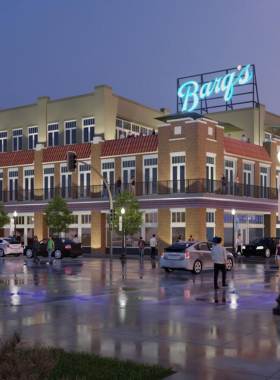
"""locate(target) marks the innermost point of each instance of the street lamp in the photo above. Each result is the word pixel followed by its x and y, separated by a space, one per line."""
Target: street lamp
pixel 15 215
pixel 122 225
pixel 233 214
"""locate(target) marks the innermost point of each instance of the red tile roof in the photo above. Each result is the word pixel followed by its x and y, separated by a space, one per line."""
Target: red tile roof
pixel 59 153
pixel 131 145
pixel 24 157
pixel 244 149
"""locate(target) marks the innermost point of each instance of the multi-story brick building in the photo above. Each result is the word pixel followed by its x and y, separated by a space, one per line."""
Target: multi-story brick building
pixel 177 174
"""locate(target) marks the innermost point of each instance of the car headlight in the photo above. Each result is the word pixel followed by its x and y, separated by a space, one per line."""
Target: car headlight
pixel 244 247
pixel 260 247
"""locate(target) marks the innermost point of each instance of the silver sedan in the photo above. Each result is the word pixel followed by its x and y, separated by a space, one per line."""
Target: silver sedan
pixel 190 255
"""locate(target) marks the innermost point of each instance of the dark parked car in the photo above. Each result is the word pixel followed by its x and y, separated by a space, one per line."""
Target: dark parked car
pixel 63 248
pixel 263 246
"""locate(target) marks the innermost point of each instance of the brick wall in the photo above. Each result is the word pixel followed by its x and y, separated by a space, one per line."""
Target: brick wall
pixel 219 223
pixel 196 223
pixel 164 229
pixel 40 227
pixel 96 232
pixel 38 173
pixel 270 225
pixel 271 147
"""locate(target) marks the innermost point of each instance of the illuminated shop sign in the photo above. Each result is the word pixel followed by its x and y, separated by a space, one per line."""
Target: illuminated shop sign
pixel 192 93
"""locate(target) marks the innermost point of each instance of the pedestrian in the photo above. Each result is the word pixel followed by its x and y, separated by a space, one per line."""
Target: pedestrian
pixel 132 183
pixel 180 238
pixel 215 239
pixel 105 190
pixel 141 245
pixel 76 239
pixel 50 249
pixel 277 256
pixel 239 243
pixel 191 238
pixel 122 135
pixel 141 134
pixel 153 246
pixel 229 135
pixel 219 255
pixel 154 132
pixel 35 249
pixel 119 185
pixel 236 182
pixel 223 183
pixel 248 140
pixel 129 134
pixel 243 138
pixel 22 239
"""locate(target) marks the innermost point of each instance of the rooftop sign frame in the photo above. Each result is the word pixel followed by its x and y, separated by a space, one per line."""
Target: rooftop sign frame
pixel 220 90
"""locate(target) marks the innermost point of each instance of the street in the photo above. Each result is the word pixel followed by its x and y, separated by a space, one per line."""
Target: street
pixel 141 313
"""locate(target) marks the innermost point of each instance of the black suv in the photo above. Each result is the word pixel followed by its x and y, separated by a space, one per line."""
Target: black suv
pixel 264 246
pixel 63 248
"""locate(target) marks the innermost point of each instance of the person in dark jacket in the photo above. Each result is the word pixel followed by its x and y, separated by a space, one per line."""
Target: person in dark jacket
pixel 35 249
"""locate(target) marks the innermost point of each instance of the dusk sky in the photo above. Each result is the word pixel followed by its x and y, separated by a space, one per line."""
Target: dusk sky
pixel 63 48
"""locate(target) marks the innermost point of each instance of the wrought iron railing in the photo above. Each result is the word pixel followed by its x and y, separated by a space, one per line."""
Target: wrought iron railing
pixel 188 186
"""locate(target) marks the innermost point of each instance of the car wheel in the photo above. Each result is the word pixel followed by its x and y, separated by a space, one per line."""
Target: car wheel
pixel 29 253
pixel 229 264
pixel 169 270
pixel 197 267
pixel 2 253
pixel 58 254
pixel 267 253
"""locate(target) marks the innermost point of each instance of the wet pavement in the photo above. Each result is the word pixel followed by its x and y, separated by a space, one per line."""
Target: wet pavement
pixel 136 311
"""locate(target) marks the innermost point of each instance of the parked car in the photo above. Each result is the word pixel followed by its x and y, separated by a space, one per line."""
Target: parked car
pixel 194 256
pixel 63 248
pixel 10 246
pixel 263 246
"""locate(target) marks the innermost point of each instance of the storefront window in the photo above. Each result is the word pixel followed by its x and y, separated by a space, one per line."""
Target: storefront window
pixel 176 232
pixel 149 231
pixel 71 232
pixel 86 237
pixel 132 241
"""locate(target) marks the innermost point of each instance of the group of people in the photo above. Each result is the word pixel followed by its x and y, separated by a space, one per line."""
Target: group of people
pixel 153 247
pixel 243 138
pixel 224 182
pixel 118 186
pixel 122 135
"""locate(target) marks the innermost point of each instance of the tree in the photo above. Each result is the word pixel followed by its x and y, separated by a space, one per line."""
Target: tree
pixel 4 218
pixel 59 218
pixel 132 219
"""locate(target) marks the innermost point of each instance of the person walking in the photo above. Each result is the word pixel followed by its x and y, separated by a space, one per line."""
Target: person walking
pixel 76 239
pixel 191 238
pixel 236 182
pixel 153 246
pixel 105 190
pixel 219 255
pixel 132 183
pixel 239 243
pixel 141 245
pixel 277 256
pixel 50 249
pixel 119 185
pixel 35 249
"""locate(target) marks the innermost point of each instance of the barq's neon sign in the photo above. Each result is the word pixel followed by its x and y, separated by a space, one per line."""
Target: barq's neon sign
pixel 190 90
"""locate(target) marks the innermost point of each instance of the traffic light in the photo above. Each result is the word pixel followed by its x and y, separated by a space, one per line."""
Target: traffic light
pixel 112 215
pixel 71 162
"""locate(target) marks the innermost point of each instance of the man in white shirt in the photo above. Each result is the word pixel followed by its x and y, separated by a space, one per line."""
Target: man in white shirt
pixel 122 136
pixel 239 243
pixel 219 255
pixel 76 240
pixel 243 138
pixel 153 246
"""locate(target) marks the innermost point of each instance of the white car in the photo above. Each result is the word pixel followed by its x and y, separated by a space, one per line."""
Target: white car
pixel 10 246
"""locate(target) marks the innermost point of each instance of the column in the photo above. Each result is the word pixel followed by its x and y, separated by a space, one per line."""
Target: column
pixel 270 225
pixel 98 232
pixel 196 223
pixel 40 227
pixel 219 223
pixel 164 229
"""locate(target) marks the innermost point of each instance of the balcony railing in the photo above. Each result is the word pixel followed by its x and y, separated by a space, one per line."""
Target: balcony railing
pixel 188 186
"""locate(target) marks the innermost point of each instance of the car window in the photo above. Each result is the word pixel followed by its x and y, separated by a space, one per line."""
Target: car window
pixel 256 241
pixel 44 241
pixel 178 247
pixel 203 247
pixel 210 245
pixel 1 241
pixel 264 241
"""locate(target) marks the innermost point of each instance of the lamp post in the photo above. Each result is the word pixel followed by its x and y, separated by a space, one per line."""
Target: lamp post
pixel 123 252
pixel 15 215
pixel 233 215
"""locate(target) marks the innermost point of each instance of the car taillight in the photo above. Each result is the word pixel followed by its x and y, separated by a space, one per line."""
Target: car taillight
pixel 8 245
pixel 68 246
pixel 187 255
pixel 162 255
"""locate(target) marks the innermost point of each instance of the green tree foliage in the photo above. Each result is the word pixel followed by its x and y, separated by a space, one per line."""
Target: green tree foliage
pixel 59 218
pixel 4 218
pixel 132 219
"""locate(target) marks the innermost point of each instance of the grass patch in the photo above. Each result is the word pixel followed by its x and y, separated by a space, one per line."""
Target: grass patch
pixel 50 363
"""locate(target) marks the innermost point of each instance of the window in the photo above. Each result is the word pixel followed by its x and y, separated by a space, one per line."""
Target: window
pixel 178 159
pixel 17 140
pixel 128 171
pixel 66 182
pixel 13 185
pixel 178 217
pixel 150 162
pixel 263 170
pixel 108 165
pixel 70 132
pixel 210 131
pixel 53 134
pixel 3 142
pixel 267 135
pixel 32 137
pixel 210 160
pixel 108 171
pixel 229 164
pixel 1 185
pixel 49 182
pixel 29 183
pixel 84 171
pixel 126 126
pixel 86 219
pixel 151 217
pixel 210 217
pixel 177 130
pixel 88 129
pixel 129 164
